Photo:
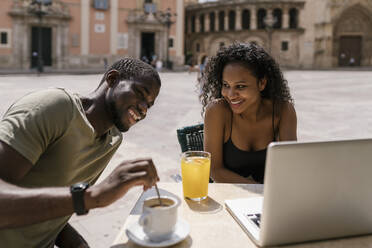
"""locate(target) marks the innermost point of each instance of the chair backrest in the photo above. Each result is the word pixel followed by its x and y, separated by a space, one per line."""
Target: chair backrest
pixel 191 138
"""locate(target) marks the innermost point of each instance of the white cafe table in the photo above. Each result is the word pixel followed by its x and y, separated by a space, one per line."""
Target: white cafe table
pixel 211 225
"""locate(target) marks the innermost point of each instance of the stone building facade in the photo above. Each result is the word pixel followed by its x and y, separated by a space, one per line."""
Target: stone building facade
pixel 341 33
pixel 298 33
pixel 90 33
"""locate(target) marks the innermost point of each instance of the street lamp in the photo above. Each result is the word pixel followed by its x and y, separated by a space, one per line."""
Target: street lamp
pixel 269 26
pixel 167 20
pixel 36 8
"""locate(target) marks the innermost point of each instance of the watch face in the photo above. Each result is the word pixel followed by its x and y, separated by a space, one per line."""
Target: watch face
pixel 79 186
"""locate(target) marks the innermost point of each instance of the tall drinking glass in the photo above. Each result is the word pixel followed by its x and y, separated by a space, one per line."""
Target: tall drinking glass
pixel 195 167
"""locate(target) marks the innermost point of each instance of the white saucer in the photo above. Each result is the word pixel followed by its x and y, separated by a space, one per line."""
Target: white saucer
pixel 135 233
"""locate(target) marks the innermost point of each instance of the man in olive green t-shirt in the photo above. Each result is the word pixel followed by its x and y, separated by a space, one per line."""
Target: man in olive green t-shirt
pixel 55 144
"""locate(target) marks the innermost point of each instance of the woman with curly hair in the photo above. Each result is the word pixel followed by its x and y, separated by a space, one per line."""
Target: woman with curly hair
pixel 246 105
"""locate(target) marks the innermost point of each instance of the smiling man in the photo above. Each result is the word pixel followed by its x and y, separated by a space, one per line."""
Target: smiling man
pixel 54 145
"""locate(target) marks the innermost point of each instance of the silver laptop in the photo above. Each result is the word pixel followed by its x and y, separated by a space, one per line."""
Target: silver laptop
pixel 312 191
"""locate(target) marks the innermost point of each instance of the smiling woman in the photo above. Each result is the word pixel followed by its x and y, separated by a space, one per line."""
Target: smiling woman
pixel 247 105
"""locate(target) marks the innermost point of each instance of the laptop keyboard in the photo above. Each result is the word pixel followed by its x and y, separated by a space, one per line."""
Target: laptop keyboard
pixel 255 218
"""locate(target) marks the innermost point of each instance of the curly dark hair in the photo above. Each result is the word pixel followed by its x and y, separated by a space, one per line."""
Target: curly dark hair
pixel 257 60
pixel 133 69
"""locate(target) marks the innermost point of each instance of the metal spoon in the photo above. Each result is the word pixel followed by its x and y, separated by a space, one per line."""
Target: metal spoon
pixel 157 192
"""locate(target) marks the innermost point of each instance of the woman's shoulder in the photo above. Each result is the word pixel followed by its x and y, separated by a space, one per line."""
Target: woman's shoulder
pixel 286 106
pixel 286 109
pixel 218 107
pixel 217 116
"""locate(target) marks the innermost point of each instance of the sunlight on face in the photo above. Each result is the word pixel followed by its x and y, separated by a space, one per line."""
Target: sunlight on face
pixel 240 87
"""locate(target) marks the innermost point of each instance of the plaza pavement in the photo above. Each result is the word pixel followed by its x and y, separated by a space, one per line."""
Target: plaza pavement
pixel 329 105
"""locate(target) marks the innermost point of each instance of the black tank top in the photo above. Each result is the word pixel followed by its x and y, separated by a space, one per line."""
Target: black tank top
pixel 245 163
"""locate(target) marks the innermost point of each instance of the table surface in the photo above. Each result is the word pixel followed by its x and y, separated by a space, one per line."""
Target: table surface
pixel 211 224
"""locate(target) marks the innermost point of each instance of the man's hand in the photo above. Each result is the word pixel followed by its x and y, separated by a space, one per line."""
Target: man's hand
pixel 127 175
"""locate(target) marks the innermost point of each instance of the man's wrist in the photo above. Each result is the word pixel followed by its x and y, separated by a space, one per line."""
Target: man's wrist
pixel 89 201
pixel 78 197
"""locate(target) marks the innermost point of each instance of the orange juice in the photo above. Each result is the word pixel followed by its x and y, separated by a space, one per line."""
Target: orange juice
pixel 195 176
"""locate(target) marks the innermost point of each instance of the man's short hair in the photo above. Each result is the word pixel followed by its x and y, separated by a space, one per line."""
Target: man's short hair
pixel 133 70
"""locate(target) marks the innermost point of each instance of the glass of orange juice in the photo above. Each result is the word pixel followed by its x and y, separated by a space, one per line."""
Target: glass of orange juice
pixel 195 168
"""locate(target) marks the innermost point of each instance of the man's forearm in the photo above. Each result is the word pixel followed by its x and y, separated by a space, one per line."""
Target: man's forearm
pixel 23 206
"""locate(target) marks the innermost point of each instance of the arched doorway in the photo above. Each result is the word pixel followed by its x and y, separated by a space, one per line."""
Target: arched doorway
pixel 147 37
pixel 45 43
pixel 350 50
pixel 52 39
pixel 352 37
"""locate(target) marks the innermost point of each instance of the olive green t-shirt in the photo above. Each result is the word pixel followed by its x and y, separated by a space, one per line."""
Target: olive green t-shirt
pixel 50 129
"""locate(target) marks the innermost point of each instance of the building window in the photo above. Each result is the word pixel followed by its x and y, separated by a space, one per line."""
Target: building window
pixel 170 42
pixel 122 40
pixel 277 14
pixel 222 44
pixel 149 8
pixel 261 15
pixel 285 45
pixel 231 20
pixel 100 16
pixel 5 38
pixel 193 24
pixel 100 4
pixel 221 20
pixel 197 47
pixel 201 21
pixel 293 18
pixel 75 40
pixel 211 21
pixel 246 19
pixel 148 1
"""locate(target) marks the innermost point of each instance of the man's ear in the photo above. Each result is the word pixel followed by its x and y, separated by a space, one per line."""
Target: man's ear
pixel 262 84
pixel 112 78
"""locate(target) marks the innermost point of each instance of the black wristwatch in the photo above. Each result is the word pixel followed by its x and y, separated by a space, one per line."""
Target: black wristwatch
pixel 77 191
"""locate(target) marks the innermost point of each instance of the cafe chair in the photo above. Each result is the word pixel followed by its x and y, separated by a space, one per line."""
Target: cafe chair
pixel 191 139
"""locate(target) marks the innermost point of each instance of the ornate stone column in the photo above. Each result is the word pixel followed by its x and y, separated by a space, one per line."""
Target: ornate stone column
pixel 65 52
pixel 179 42
pixel 206 22
pixel 20 49
pixel 85 7
pixel 238 24
pixel 216 21
pixel 226 25
pixel 59 41
pixel 61 45
pixel 285 18
pixel 197 23
pixel 269 12
pixel 253 18
pixel 114 11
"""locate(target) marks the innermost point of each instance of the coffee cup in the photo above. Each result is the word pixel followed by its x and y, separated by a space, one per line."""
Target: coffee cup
pixel 159 221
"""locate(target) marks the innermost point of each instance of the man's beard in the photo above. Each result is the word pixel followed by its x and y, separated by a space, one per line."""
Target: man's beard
pixel 116 117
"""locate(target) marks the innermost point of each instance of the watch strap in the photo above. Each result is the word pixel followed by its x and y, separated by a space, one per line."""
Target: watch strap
pixel 77 191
